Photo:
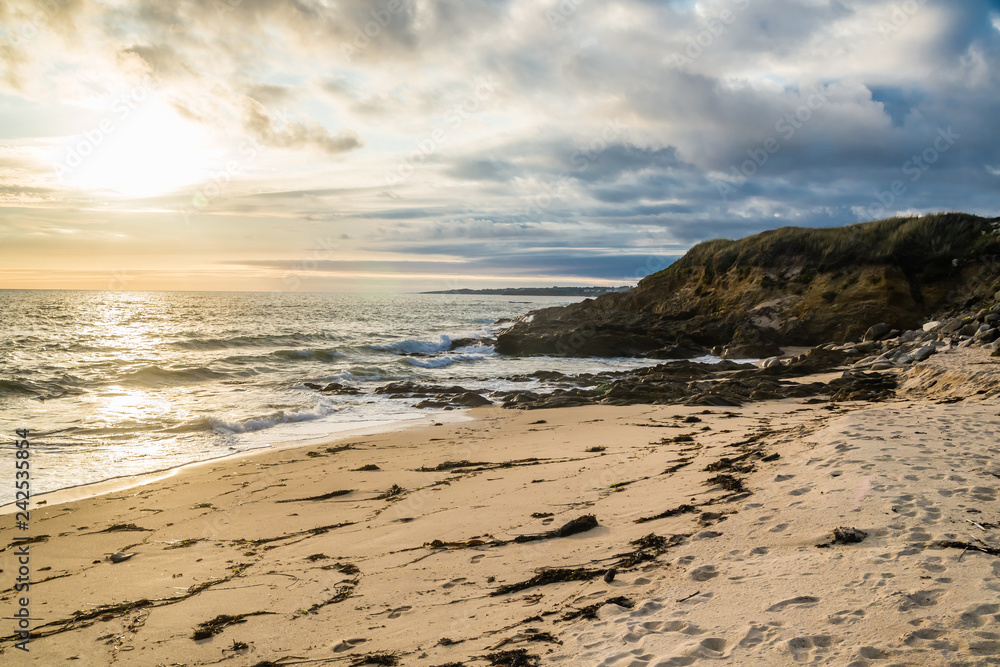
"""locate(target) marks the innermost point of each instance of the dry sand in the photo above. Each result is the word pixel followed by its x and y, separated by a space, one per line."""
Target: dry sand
pixel 737 577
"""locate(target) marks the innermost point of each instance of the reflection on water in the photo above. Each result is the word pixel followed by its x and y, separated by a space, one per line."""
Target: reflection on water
pixel 117 383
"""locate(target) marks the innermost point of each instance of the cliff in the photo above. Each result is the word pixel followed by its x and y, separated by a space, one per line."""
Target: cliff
pixel 789 286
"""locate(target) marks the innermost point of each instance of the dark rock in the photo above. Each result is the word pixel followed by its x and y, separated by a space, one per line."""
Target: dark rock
pixel 772 288
pixel 844 535
pixel 751 351
pixel 987 336
pixel 470 342
pixel 679 352
pixel 877 332
pixel 579 525
pixel 472 400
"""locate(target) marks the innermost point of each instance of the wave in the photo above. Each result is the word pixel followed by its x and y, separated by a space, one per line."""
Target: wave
pixel 443 360
pixel 318 354
pixel 14 388
pixel 260 423
pixel 410 346
pixel 154 376
pixel 275 340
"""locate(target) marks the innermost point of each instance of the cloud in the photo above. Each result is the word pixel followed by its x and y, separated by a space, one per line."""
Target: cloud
pixel 295 134
pixel 612 126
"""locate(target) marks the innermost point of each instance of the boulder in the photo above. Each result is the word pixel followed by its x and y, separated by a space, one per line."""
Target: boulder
pixel 471 399
pixel 987 336
pixel 932 326
pixel 750 351
pixel 877 332
pixel 923 353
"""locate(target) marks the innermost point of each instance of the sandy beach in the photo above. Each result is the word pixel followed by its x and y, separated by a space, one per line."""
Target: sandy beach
pixel 596 535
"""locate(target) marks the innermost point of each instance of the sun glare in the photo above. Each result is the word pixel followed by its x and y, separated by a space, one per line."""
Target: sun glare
pixel 138 152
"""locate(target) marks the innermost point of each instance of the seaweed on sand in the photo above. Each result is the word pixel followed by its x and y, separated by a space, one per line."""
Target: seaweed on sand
pixel 590 611
pixel 649 547
pixel 394 491
pixel 515 658
pixel 386 659
pixel 324 496
pixel 551 576
pixel 218 624
pixel 682 509
pixel 727 482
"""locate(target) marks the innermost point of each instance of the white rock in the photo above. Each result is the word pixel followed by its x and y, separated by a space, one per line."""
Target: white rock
pixel 931 326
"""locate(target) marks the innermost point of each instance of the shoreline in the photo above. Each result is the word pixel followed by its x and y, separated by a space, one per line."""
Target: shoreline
pixel 125 482
pixel 598 535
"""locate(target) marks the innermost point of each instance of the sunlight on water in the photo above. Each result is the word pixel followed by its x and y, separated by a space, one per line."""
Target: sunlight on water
pixel 119 383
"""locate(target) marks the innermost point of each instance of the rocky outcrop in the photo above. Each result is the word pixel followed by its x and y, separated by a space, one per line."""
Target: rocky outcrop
pixel 790 286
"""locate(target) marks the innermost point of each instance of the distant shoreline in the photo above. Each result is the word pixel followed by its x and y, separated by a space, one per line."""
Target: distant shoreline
pixel 537 291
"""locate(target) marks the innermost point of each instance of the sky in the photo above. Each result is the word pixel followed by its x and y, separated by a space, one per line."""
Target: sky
pixel 404 145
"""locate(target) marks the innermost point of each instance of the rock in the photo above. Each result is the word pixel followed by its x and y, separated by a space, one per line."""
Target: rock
pixel 750 351
pixel 876 332
pixel 333 388
pixel 932 326
pixel 771 362
pixel 470 342
pixel 471 399
pixel 679 352
pixel 970 329
pixel 866 347
pixel 987 336
pixel 924 353
pixel 952 326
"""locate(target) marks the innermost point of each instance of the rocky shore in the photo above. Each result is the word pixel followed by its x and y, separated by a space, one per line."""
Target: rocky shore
pixel 786 287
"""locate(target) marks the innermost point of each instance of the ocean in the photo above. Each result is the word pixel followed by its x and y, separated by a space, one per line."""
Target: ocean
pixel 115 384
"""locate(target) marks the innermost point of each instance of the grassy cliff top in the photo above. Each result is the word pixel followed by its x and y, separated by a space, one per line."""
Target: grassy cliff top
pixel 918 246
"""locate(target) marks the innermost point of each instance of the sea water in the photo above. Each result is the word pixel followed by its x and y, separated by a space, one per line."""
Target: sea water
pixel 114 384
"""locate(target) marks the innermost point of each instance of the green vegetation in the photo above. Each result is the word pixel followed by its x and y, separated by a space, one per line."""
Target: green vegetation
pixel 923 246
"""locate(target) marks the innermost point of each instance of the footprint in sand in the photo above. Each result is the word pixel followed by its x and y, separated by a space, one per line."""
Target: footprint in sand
pixel 920 599
pixel 803 648
pixel 476 559
pixel 399 611
pixel 872 653
pixel 800 491
pixel 984 494
pixel 348 644
pixel 933 564
pixel 452 583
pixel 973 618
pixel 704 573
pixel 801 600
pixel 780 528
